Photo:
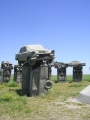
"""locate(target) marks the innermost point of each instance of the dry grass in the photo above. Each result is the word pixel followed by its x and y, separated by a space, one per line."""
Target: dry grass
pixel 55 105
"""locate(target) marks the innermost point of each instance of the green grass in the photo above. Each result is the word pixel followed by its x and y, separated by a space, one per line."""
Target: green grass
pixel 50 106
pixel 12 84
pixel 69 78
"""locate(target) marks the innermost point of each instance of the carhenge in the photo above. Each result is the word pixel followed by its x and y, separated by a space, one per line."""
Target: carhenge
pixel 36 63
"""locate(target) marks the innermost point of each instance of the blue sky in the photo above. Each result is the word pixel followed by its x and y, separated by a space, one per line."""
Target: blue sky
pixel 60 25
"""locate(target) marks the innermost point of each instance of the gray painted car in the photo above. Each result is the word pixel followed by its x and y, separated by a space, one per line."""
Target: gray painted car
pixel 33 53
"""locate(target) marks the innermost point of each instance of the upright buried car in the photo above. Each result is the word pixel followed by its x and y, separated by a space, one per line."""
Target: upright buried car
pixel 7 67
pixel 17 73
pixel 1 75
pixel 36 68
pixel 77 70
pixel 61 71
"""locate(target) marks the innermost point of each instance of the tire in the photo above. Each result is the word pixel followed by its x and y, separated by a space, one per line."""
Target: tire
pixel 48 84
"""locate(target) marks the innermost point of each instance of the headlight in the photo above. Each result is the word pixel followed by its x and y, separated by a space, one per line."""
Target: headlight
pixel 33 53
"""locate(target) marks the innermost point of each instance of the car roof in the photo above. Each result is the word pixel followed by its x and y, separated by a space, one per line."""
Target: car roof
pixel 34 47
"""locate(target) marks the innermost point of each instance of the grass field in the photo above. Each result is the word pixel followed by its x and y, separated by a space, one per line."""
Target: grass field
pixel 55 105
pixel 69 78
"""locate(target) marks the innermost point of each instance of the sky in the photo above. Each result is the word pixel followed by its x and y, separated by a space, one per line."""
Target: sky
pixel 60 25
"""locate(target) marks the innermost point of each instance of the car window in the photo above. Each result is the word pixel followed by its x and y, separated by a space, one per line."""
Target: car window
pixel 23 50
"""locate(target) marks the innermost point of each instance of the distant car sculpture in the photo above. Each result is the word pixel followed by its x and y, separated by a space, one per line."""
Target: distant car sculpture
pixel 17 73
pixel 77 70
pixel 61 71
pixel 36 69
pixel 7 69
pixel 1 74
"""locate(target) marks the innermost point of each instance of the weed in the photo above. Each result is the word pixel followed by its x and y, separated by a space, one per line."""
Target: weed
pixel 12 84
pixel 6 97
